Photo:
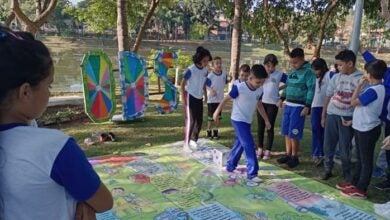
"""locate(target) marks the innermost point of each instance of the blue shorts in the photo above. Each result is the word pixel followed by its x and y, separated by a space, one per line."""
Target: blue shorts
pixel 292 122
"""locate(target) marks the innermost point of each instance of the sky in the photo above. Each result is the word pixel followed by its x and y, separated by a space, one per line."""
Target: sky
pixel 75 1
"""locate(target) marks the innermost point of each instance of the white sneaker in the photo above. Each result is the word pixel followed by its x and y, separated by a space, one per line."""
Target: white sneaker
pixel 193 145
pixel 186 149
pixel 267 155
pixel 256 179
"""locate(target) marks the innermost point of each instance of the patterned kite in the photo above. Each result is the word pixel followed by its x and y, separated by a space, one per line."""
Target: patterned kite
pixel 163 61
pixel 134 83
pixel 99 86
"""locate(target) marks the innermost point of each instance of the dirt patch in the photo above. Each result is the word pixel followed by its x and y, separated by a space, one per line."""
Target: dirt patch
pixel 56 115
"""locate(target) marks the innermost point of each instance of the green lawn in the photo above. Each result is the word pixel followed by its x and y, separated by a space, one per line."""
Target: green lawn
pixel 156 129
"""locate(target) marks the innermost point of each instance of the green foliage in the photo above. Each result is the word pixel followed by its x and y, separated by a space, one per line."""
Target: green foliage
pixel 198 31
pixel 3 13
pixel 60 18
pixel 372 31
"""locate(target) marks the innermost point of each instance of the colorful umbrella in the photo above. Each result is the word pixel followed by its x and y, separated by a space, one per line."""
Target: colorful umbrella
pixel 134 83
pixel 99 86
pixel 163 61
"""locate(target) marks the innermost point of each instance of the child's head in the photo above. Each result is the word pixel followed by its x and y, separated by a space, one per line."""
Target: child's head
pixel 270 62
pixel 26 72
pixel 375 69
pixel 202 57
pixel 217 64
pixel 345 61
pixel 257 76
pixel 245 70
pixel 297 58
pixel 320 67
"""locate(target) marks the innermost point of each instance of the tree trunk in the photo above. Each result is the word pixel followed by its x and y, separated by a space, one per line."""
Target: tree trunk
pixel 236 39
pixel 279 33
pixel 140 34
pixel 9 19
pixel 122 27
pixel 33 26
pixel 385 9
pixel 324 21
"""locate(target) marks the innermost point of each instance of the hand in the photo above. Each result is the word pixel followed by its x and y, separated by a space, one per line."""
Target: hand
pixel 305 111
pixel 85 212
pixel 386 143
pixel 323 120
pixel 213 93
pixel 280 103
pixel 361 49
pixel 268 125
pixel 216 117
pixel 363 80
pixel 346 123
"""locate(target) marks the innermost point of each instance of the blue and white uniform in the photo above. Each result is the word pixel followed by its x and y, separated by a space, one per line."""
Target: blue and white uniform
pixel 43 174
pixel 244 105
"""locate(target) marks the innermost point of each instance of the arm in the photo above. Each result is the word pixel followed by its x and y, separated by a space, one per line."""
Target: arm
pixel 311 85
pixel 367 56
pixel 182 89
pixel 220 107
pixel 283 82
pixel 261 110
pixel 355 101
pixel 324 109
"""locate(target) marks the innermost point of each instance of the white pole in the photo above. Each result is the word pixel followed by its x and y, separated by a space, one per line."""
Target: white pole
pixel 356 26
pixel 177 77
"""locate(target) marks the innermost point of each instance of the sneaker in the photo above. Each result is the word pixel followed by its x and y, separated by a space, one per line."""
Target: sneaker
pixel 256 179
pixel 209 136
pixel 378 172
pixel 284 159
pixel 193 145
pixel 344 186
pixel 259 152
pixel 385 185
pixel 267 155
pixel 319 162
pixel 215 134
pixel 354 193
pixel 186 149
pixel 293 162
pixel 326 175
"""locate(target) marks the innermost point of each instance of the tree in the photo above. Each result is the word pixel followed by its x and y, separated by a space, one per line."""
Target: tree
pixel 122 27
pixel 43 10
pixel 236 38
pixel 140 34
pixel 205 12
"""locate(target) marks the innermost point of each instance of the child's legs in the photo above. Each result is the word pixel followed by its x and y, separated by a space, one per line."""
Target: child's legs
pixel 215 106
pixel 196 107
pixel 234 155
pixel 210 112
pixel 288 145
pixel 285 128
pixel 260 129
pixel 331 138
pixel 345 145
pixel 272 112
pixel 317 132
pixel 366 146
pixel 189 124
pixel 243 133
pixel 297 123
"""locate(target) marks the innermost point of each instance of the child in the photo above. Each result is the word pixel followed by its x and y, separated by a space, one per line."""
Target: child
pixel 192 91
pixel 323 77
pixel 337 114
pixel 44 173
pixel 244 74
pixel 366 123
pixel 218 80
pixel 299 93
pixel 384 185
pixel 246 97
pixel 270 98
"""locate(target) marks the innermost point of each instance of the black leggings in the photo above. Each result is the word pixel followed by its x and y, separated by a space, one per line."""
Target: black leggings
pixel 272 112
pixel 194 118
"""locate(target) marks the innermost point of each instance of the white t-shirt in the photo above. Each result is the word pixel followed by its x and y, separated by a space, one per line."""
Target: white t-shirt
pixel 340 89
pixel 218 83
pixel 43 174
pixel 237 81
pixel 196 80
pixel 366 116
pixel 271 87
pixel 320 92
pixel 245 102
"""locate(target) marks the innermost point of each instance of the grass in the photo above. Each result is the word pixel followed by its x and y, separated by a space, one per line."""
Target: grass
pixel 155 129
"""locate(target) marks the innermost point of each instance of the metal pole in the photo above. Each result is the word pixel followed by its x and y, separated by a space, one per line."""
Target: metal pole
pixel 355 39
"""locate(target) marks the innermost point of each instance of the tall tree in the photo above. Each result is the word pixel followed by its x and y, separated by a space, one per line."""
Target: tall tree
pixel 205 12
pixel 43 10
pixel 146 20
pixel 236 38
pixel 122 26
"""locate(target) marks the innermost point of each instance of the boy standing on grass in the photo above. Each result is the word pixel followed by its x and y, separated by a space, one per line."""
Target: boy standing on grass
pixel 246 96
pixel 218 80
pixel 298 94
pixel 366 123
pixel 337 114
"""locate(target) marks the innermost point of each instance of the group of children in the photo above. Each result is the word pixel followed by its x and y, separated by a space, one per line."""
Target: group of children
pixel 343 104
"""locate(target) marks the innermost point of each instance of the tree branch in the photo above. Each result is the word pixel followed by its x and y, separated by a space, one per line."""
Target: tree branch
pixel 385 9
pixel 9 19
pixel 46 13
pixel 15 7
pixel 324 20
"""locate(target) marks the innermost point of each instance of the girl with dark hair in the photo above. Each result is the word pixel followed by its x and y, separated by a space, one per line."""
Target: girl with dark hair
pixel 44 174
pixel 192 91
pixel 323 77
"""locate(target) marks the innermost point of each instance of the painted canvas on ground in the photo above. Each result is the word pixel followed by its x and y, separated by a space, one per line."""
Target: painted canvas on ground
pixel 161 183
pixel 163 62
pixel 134 85
pixel 99 86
